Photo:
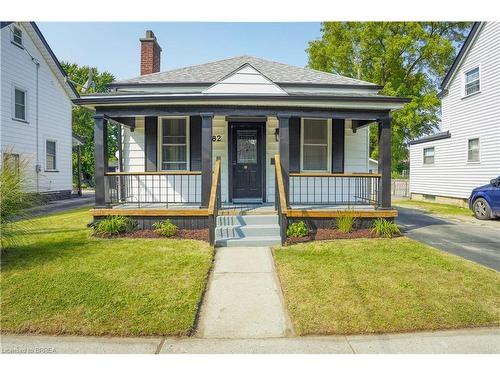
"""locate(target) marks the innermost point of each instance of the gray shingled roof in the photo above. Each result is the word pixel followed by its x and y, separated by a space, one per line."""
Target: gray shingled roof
pixel 214 71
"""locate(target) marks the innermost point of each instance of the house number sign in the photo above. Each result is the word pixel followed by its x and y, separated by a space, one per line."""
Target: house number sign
pixel 217 138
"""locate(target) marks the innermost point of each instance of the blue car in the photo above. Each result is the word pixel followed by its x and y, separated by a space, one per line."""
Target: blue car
pixel 484 201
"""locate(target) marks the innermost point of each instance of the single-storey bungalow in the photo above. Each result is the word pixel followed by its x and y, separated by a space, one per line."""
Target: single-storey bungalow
pixel 237 132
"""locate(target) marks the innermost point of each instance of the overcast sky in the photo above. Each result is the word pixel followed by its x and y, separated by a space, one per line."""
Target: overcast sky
pixel 114 46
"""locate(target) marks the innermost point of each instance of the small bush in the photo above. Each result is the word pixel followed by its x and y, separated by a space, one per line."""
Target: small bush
pixel 165 228
pixel 345 223
pixel 297 229
pixel 114 225
pixel 385 228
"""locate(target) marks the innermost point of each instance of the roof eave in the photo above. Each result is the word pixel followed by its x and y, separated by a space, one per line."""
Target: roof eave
pixel 55 60
pixel 135 99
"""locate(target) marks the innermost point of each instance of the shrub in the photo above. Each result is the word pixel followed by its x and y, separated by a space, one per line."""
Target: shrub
pixel 14 202
pixel 165 228
pixel 345 223
pixel 297 229
pixel 114 225
pixel 385 228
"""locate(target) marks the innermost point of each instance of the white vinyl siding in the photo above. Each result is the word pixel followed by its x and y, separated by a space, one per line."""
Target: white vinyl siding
pixel 473 150
pixel 173 137
pixel 315 144
pixel 477 116
pixel 54 112
pixel 133 147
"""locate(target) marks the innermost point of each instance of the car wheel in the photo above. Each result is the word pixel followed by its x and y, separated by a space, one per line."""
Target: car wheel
pixel 481 208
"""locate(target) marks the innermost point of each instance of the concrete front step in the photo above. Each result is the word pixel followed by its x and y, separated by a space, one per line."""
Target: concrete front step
pixel 247 220
pixel 247 230
pixel 237 231
pixel 254 241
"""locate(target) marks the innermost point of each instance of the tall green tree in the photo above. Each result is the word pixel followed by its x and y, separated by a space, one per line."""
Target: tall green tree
pixel 83 122
pixel 407 58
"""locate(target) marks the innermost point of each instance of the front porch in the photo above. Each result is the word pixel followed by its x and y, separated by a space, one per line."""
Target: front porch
pixel 207 185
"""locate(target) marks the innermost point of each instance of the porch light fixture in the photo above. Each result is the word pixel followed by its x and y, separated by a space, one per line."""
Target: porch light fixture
pixel 277 134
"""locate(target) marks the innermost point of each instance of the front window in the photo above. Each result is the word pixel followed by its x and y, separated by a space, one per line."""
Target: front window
pixel 50 155
pixel 472 84
pixel 315 145
pixel 473 150
pixel 429 155
pixel 19 104
pixel 17 35
pixel 174 144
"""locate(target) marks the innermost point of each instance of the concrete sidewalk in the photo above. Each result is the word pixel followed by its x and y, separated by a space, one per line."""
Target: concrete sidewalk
pixel 469 341
pixel 244 298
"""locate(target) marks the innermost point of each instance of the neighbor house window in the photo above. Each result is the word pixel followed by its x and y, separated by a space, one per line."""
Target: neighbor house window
pixel 50 155
pixel 174 144
pixel 19 104
pixel 429 155
pixel 473 150
pixel 315 145
pixel 472 83
pixel 17 36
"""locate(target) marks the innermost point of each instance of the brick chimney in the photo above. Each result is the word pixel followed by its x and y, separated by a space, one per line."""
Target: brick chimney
pixel 150 54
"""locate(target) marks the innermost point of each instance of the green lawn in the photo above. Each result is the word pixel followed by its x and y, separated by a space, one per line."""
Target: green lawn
pixel 60 280
pixel 434 208
pixel 383 285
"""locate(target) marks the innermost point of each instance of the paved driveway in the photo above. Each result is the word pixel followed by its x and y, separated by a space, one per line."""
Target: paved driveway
pixel 478 242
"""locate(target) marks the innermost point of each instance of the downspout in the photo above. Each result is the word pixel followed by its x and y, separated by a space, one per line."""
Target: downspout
pixel 38 167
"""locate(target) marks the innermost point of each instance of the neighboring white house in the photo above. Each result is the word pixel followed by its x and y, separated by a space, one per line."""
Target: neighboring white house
pixel 447 165
pixel 35 118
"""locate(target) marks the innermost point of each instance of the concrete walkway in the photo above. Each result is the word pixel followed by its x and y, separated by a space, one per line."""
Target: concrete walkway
pixel 244 298
pixel 481 340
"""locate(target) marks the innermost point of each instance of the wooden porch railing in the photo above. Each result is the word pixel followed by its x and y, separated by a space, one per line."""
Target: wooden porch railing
pixel 280 200
pixel 350 193
pixel 214 202
pixel 153 187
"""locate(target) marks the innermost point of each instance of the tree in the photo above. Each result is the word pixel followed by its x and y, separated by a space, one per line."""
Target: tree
pixel 407 58
pixel 83 122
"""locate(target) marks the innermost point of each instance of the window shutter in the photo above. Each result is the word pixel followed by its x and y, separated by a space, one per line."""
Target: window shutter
pixel 150 143
pixel 338 141
pixel 195 142
pixel 294 142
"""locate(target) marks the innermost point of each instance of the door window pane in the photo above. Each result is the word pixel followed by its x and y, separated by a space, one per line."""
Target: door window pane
pixel 246 147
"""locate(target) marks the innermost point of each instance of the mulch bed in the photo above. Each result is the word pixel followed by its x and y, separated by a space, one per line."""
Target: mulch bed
pixel 332 234
pixel 185 234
